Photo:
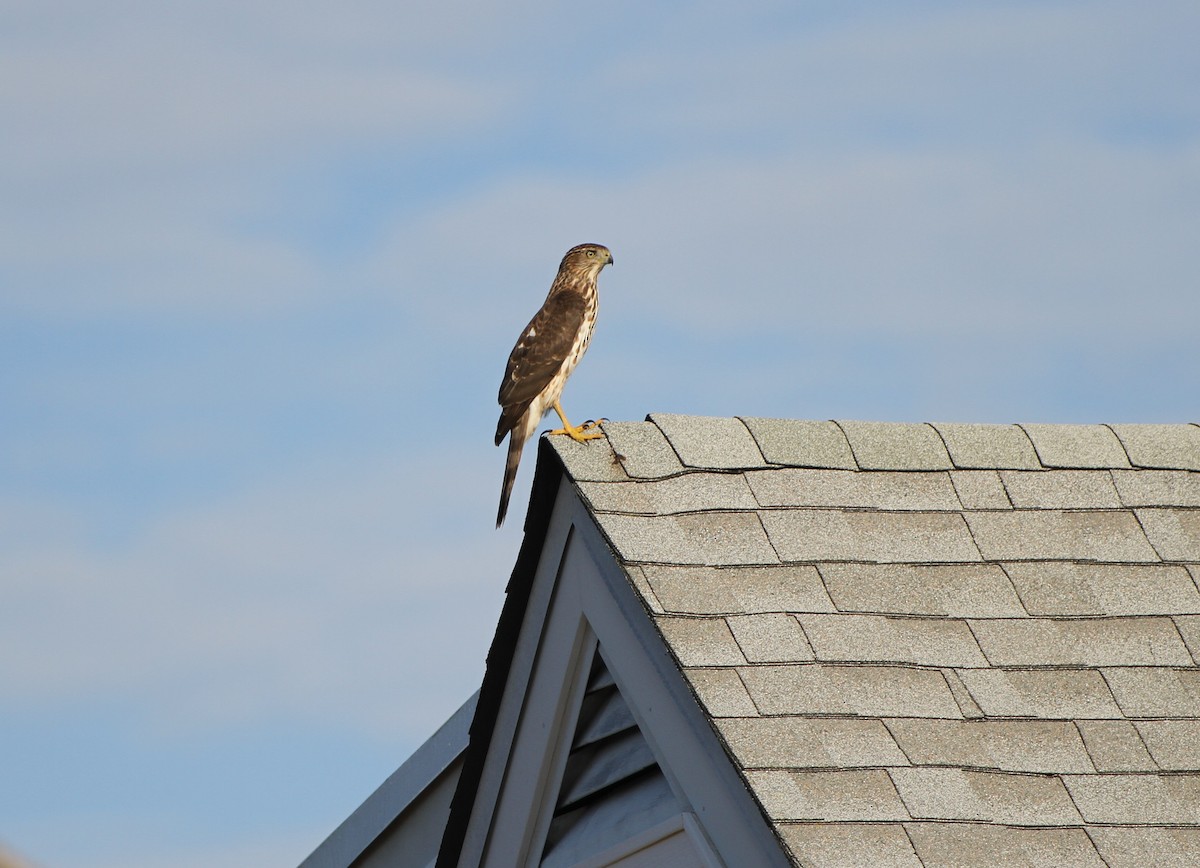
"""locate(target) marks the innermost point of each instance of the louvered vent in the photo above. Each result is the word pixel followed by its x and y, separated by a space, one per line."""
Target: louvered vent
pixel 612 787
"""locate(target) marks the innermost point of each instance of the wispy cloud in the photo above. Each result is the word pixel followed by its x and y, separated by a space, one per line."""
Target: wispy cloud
pixel 251 605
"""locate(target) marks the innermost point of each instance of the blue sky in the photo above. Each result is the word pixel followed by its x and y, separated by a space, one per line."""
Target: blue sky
pixel 261 266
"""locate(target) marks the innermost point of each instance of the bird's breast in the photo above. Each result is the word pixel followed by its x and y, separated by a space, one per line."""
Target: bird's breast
pixel 582 339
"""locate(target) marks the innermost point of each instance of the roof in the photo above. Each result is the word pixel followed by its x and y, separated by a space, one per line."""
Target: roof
pixel 400 824
pixel 927 645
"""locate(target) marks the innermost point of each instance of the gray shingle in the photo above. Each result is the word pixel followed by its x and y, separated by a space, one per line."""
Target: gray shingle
pixel 1060 489
pixel 981 845
pixel 966 704
pixel 710 442
pixel 1176 446
pixel 853 489
pixel 1115 746
pixel 1133 641
pixel 1174 533
pixel 801 444
pixel 1134 847
pixel 642 449
pixel 849 845
pixel 1155 691
pixel 593 461
pixel 1189 628
pixel 1136 798
pixel 721 692
pixel 895 446
pixel 771 638
pixel 980 489
pixel 793 742
pixel 714 591
pixel 1064 588
pixel 819 688
pixel 964 591
pixel 1048 694
pixel 883 639
pixel 709 538
pixel 858 795
pixel 690 492
pixel 837 535
pixel 1158 487
pixel 990 797
pixel 1174 744
pixel 701 641
pixel 1077 446
pixel 988 446
pixel 638 579
pixel 1042 535
pixel 1005 745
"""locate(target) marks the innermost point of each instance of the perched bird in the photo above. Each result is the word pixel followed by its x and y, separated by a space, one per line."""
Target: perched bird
pixel 545 355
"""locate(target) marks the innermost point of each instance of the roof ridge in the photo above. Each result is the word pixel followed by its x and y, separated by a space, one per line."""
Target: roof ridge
pixel 668 444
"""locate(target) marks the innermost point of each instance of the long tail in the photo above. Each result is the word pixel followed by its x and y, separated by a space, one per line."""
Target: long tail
pixel 516 444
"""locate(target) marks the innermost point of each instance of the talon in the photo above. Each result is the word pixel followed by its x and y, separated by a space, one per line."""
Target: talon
pixel 578 433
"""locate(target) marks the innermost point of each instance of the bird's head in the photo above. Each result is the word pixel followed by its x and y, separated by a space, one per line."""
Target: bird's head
pixel 588 258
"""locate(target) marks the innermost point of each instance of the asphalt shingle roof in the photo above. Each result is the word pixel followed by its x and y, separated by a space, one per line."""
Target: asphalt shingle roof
pixel 929 645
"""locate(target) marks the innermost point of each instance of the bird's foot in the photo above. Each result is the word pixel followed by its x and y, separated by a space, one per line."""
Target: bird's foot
pixel 589 430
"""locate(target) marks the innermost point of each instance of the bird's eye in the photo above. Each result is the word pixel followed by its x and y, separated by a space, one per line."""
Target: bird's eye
pixel 591 253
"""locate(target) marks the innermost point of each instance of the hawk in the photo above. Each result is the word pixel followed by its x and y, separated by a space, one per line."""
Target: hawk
pixel 545 355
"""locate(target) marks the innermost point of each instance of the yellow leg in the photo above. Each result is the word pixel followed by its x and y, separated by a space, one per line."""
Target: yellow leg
pixel 578 433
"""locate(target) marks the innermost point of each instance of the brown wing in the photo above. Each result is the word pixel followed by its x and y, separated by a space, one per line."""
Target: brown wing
pixel 539 354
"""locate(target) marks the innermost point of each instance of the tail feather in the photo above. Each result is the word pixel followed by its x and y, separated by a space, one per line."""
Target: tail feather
pixel 516 444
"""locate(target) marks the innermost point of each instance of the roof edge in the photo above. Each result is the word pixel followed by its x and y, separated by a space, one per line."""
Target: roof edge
pixel 548 474
pixel 370 820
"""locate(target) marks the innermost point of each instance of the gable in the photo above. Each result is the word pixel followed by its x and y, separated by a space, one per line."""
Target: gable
pixel 594 751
